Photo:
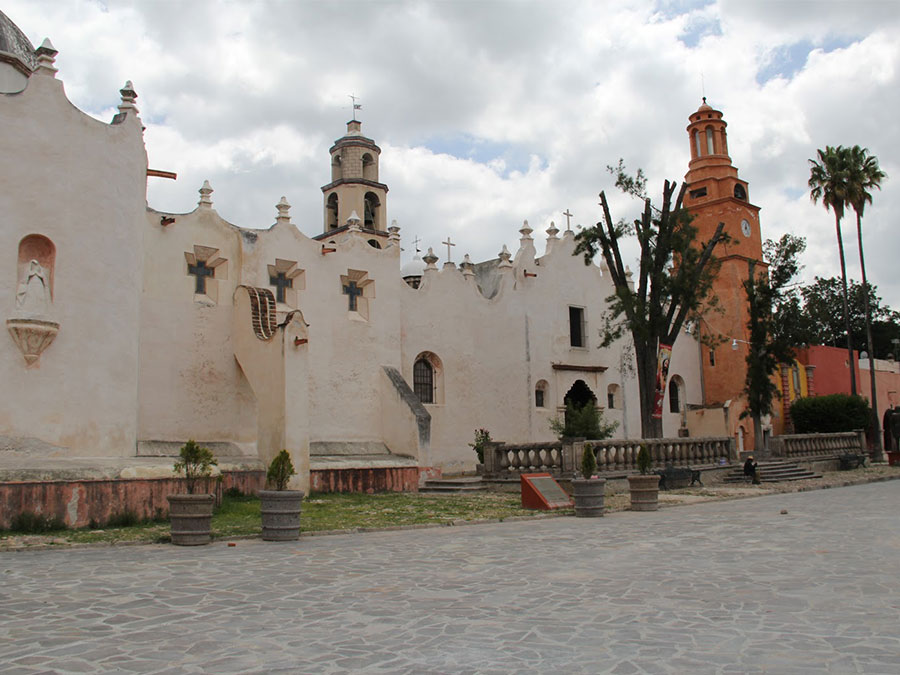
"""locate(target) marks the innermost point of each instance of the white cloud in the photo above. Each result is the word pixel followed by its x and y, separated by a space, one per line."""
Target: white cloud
pixel 490 113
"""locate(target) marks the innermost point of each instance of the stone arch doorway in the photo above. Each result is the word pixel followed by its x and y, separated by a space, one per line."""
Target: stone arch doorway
pixel 580 395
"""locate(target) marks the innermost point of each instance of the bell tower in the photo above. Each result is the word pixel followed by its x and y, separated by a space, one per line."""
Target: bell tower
pixel 717 195
pixel 354 186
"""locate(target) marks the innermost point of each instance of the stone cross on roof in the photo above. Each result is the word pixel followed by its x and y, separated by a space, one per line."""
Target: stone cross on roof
pixel 448 244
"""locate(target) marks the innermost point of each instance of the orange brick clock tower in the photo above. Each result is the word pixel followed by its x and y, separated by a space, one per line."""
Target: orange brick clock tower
pixel 716 194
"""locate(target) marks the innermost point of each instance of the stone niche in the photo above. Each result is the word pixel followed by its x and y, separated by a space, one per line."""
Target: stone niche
pixel 31 326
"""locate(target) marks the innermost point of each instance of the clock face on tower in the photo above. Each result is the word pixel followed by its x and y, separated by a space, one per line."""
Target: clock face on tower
pixel 745 227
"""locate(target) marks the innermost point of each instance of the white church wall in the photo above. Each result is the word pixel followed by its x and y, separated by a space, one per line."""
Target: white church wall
pixel 494 352
pixel 191 385
pixel 346 348
pixel 81 183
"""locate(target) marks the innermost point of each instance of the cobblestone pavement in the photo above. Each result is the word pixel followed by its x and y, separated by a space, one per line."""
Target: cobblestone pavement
pixel 718 587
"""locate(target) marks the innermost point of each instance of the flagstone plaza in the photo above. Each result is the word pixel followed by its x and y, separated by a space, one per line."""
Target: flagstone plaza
pixel 720 587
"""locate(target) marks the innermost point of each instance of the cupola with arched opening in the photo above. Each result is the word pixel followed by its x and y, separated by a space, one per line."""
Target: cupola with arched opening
pixel 354 184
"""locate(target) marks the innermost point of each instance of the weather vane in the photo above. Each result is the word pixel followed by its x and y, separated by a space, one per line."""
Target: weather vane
pixel 356 106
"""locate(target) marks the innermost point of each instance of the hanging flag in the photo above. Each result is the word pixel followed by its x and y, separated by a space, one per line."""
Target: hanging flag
pixel 663 356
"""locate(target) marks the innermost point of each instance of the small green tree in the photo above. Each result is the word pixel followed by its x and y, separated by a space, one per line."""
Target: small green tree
pixel 280 470
pixel 769 340
pixel 583 422
pixel 643 460
pixel 588 461
pixel 482 438
pixel 195 462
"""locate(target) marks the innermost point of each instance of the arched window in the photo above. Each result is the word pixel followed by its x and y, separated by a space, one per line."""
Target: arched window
pixel 613 397
pixel 331 211
pixel 676 394
pixel 697 147
pixel 369 168
pixel 710 146
pixel 372 216
pixel 740 192
pixel 427 378
pixel 795 377
pixel 540 394
pixel 336 171
pixel 423 380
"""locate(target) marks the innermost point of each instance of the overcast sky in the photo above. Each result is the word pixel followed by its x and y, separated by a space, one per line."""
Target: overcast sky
pixel 489 113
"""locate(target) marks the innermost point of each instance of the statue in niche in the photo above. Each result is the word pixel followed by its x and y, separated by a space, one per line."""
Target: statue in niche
pixel 33 294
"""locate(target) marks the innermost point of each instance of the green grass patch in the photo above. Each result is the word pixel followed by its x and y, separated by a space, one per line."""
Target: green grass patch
pixel 239 515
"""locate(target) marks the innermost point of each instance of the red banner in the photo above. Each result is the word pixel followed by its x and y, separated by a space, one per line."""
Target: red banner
pixel 663 356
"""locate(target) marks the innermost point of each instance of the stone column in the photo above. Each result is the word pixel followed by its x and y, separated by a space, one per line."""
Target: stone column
pixel 810 380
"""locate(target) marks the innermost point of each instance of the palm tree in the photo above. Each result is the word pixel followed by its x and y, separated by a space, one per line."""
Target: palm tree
pixel 865 174
pixel 829 180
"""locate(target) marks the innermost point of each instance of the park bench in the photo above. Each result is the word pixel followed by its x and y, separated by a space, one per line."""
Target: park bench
pixel 673 477
pixel 851 460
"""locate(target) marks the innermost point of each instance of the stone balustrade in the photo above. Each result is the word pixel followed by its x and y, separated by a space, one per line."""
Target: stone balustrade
pixel 621 454
pixel 562 457
pixel 502 460
pixel 793 446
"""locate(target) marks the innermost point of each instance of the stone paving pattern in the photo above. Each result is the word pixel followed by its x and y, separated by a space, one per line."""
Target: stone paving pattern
pixel 716 587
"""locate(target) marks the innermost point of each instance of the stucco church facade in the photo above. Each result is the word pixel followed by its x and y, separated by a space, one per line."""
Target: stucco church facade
pixel 131 330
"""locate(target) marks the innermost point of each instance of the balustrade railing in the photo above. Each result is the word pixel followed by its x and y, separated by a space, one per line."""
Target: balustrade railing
pixel 562 457
pixel 621 454
pixel 812 445
pixel 501 459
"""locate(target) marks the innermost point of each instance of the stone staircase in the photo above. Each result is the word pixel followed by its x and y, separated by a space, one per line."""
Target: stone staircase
pixel 772 471
pixel 458 485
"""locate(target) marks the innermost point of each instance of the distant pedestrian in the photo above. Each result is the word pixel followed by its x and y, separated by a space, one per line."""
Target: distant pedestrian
pixel 751 469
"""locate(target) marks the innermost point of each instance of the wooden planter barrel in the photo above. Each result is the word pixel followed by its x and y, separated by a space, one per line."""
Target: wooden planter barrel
pixel 588 495
pixel 644 492
pixel 280 514
pixel 191 518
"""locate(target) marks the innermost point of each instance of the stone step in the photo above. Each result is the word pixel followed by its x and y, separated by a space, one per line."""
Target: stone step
pixel 465 484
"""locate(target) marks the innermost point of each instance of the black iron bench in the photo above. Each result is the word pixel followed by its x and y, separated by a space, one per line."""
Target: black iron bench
pixel 852 460
pixel 674 477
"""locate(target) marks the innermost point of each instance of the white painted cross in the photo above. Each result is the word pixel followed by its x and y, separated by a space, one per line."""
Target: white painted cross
pixel 448 244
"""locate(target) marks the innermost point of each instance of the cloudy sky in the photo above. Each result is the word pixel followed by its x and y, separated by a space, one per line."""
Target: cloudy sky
pixel 489 113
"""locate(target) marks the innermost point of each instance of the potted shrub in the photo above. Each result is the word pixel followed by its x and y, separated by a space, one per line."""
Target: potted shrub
pixel 644 488
pixel 190 514
pixel 588 490
pixel 482 438
pixel 280 508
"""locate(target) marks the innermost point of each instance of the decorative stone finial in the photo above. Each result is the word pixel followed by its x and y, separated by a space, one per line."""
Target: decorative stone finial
pixel 354 222
pixel 46 58
pixel 284 211
pixel 552 231
pixel 394 232
pixel 468 268
pixel 525 231
pixel 128 97
pixel 205 192
pixel 430 259
pixel 504 256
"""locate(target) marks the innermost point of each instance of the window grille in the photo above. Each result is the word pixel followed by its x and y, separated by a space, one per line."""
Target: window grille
pixel 423 381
